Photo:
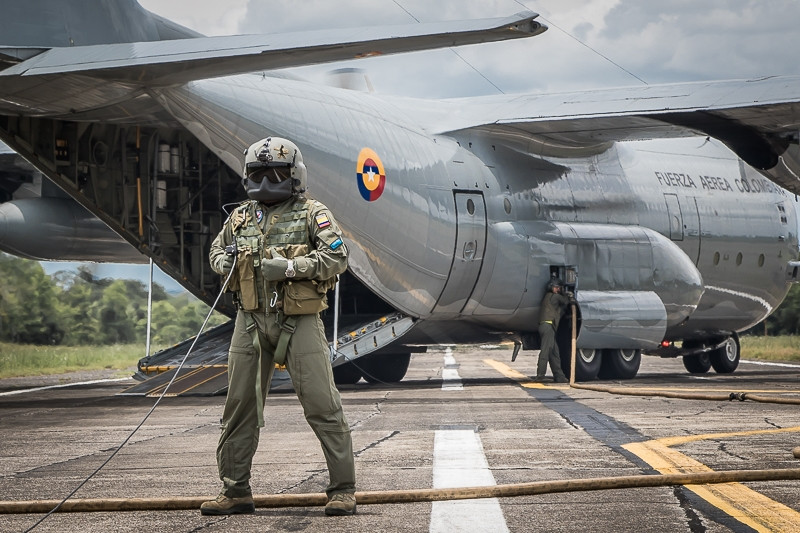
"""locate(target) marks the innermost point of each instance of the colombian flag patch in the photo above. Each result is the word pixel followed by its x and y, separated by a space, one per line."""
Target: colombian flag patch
pixel 322 220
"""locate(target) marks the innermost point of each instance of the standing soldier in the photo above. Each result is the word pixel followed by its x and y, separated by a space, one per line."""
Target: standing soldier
pixel 553 305
pixel 288 251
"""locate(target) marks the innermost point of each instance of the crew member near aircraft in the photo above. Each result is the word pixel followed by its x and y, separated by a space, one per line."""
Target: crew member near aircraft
pixel 553 306
pixel 289 252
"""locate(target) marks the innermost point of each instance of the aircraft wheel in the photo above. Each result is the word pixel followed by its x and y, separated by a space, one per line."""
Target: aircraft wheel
pixel 385 367
pixel 620 364
pixel 587 364
pixel 697 364
pixel 346 374
pixel 725 359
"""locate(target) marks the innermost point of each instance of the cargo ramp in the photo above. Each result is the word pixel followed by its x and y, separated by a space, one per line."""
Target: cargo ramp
pixel 205 372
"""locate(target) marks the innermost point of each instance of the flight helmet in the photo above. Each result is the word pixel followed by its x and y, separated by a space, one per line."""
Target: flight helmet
pixel 273 170
pixel 554 282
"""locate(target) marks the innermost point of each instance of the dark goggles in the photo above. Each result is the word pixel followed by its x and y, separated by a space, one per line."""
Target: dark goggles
pixel 257 171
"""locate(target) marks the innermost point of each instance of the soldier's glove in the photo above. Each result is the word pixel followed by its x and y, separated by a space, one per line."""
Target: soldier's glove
pixel 274 269
pixel 224 264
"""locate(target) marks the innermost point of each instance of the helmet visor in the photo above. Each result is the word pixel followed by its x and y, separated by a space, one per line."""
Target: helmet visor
pixel 258 171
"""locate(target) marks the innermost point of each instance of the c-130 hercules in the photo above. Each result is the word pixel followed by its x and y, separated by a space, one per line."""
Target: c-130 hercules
pixel 666 208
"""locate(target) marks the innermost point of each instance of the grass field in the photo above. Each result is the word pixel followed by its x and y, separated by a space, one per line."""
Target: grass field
pixel 27 360
pixel 782 348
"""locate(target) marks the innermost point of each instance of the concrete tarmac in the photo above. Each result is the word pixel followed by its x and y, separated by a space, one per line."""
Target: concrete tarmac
pixel 462 416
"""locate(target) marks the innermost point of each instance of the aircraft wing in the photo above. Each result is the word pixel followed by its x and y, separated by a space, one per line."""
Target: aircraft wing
pixel 88 76
pixel 758 119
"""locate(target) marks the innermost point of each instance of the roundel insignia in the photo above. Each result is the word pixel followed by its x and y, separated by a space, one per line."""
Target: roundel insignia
pixel 370 175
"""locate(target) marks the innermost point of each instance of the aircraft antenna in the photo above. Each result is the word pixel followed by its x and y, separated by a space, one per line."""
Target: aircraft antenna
pixel 454 51
pixel 568 34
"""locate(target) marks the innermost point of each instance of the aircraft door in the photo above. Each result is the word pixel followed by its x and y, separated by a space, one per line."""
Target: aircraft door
pixel 684 224
pixel 675 218
pixel 468 254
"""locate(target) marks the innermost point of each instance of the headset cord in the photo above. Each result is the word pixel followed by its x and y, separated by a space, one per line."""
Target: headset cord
pixel 171 381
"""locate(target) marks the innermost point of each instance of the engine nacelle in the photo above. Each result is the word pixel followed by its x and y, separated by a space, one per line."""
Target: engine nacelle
pixel 633 284
pixel 49 229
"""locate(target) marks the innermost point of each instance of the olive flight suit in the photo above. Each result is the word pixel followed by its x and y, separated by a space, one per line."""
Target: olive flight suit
pixel 304 230
pixel 553 306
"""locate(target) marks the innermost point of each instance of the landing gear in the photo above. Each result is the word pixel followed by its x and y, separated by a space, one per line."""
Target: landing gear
pixel 725 359
pixel 587 363
pixel 620 364
pixel 697 364
pixel 346 374
pixel 384 367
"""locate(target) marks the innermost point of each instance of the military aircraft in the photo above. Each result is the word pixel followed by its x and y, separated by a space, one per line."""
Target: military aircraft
pixel 669 210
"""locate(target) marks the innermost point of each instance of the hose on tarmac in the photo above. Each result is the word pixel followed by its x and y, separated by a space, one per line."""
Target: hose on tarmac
pixel 413 495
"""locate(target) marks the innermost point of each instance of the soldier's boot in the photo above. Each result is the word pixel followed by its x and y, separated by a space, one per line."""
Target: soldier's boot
pixel 224 506
pixel 341 504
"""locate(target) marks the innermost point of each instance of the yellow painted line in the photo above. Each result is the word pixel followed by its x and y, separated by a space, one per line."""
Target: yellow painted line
pixel 674 441
pixel 524 381
pixel 745 505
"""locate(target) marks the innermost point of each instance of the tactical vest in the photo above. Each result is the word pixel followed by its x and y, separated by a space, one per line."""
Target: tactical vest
pixel 285 232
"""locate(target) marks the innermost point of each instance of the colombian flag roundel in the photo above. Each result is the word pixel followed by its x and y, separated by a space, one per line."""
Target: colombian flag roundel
pixel 370 175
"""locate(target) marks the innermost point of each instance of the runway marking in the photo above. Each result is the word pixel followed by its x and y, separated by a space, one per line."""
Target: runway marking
pixel 61 386
pixel 522 379
pixel 769 363
pixel 744 504
pixel 741 503
pixel 459 461
pixel 451 380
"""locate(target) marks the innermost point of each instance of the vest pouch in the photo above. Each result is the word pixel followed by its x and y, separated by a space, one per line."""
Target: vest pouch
pixel 303 298
pixel 248 294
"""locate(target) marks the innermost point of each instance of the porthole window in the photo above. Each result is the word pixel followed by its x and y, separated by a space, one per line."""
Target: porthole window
pixel 470 207
pixel 761 260
pixel 716 258
pixel 507 206
pixel 739 259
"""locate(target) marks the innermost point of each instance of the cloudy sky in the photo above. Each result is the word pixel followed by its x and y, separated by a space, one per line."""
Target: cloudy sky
pixel 590 43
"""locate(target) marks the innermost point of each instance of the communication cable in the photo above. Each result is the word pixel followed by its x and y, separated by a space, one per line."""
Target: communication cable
pixel 61 503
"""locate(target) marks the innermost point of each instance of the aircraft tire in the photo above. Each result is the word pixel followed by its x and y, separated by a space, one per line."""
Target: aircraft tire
pixel 725 359
pixel 346 374
pixel 620 364
pixel 587 364
pixel 385 367
pixel 697 364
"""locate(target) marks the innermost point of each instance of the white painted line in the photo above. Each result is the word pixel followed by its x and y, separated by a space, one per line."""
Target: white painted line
pixel 451 380
pixel 458 461
pixel 64 385
pixel 765 363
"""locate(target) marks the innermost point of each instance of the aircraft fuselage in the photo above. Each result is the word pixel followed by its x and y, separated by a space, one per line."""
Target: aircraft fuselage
pixel 467 228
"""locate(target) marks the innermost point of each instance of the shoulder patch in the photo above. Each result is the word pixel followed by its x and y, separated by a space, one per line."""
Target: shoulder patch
pixel 322 220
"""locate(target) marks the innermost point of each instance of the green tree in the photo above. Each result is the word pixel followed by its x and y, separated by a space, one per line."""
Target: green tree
pixel 28 303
